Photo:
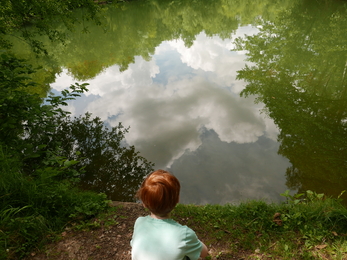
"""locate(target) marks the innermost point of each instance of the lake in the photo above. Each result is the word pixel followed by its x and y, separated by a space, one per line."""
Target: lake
pixel 239 100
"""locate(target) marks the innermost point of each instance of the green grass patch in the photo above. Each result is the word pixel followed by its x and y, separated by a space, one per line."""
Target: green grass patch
pixel 312 227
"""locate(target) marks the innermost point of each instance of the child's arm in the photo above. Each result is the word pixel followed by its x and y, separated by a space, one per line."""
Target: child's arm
pixel 204 251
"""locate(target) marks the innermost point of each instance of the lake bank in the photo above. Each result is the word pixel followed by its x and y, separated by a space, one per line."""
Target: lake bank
pixel 311 229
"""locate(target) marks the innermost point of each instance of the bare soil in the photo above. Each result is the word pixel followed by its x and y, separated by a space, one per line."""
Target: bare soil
pixel 113 241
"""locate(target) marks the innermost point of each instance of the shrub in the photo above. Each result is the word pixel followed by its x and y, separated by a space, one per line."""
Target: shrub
pixel 41 165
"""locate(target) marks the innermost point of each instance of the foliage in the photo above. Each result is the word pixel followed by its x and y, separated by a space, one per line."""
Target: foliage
pixel 19 15
pixel 22 114
pixel 32 208
pixel 16 104
pixel 39 161
pixel 38 174
pixel 109 165
pixel 33 203
pixel 45 134
pixel 116 42
pixel 301 80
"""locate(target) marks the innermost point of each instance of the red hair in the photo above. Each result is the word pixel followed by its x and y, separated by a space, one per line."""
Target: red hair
pixel 159 192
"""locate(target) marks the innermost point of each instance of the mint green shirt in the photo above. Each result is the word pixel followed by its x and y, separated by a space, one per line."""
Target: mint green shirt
pixel 163 239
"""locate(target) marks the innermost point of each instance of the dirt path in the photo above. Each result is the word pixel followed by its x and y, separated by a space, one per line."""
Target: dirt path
pixel 109 242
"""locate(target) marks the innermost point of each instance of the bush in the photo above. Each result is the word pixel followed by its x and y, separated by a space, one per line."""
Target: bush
pixel 32 208
pixel 43 155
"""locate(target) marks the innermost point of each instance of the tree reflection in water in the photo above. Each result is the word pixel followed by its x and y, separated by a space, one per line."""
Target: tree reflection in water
pixel 300 75
pixel 299 72
pixel 110 166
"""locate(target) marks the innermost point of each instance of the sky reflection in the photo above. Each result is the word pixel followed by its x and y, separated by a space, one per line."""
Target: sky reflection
pixel 185 114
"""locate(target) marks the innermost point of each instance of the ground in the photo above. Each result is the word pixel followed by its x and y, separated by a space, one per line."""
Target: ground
pixel 110 241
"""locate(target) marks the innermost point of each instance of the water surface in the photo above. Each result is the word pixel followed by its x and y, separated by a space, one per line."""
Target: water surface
pixel 173 72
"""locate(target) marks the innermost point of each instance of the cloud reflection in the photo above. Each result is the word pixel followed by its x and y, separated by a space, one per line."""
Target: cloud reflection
pixel 170 101
pixel 219 172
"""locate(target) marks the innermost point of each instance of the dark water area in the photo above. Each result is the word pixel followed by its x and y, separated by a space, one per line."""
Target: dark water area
pixel 238 100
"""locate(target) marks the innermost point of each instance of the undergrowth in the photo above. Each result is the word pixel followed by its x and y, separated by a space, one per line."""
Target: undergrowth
pixel 33 209
pixel 43 160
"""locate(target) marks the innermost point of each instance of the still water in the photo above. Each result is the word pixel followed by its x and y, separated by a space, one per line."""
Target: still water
pixel 238 100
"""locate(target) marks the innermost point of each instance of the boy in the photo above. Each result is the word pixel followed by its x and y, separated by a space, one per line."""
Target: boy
pixel 157 237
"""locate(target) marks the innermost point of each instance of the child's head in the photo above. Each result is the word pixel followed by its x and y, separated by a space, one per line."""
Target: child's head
pixel 159 192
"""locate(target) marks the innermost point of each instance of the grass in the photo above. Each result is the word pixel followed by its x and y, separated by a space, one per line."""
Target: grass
pixel 311 228
pixel 307 226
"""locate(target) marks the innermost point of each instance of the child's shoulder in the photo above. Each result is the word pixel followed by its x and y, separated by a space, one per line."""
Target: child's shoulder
pixel 142 218
pixel 149 219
